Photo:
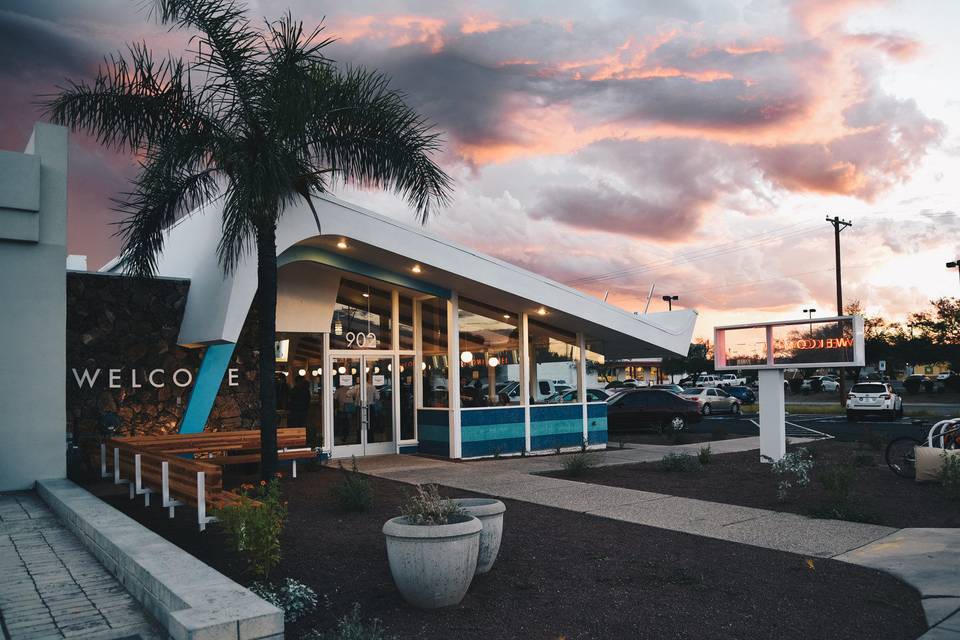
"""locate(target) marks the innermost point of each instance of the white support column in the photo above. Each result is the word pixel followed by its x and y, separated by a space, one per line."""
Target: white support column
pixel 326 414
pixel 582 382
pixel 453 374
pixel 395 367
pixel 525 378
pixel 773 436
pixel 417 365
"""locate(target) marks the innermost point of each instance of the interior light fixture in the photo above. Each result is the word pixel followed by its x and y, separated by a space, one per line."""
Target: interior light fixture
pixel 401 368
pixel 302 372
pixel 390 367
pixel 541 311
pixel 506 316
pixel 493 361
pixel 342 244
pixel 375 369
pixel 416 268
pixel 342 370
pixel 466 357
pixel 338 328
pixel 366 295
pixel 366 370
pixel 353 370
pixel 423 365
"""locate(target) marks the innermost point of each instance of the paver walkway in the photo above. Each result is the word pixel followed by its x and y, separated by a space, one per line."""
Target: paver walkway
pixel 52 587
pixel 928 559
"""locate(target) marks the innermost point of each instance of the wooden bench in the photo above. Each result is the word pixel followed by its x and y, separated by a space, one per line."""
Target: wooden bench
pixel 155 464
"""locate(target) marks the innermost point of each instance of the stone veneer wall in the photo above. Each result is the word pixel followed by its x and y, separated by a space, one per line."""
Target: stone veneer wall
pixel 121 322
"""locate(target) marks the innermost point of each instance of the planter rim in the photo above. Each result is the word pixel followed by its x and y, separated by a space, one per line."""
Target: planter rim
pixel 399 528
pixel 481 507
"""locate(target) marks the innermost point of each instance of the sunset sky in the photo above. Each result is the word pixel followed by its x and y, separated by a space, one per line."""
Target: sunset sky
pixel 695 144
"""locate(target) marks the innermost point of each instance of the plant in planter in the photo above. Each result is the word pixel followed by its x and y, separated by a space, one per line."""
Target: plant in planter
pixel 432 549
pixel 490 514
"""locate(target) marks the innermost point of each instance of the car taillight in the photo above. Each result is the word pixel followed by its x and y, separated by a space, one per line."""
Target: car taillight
pixel 850 396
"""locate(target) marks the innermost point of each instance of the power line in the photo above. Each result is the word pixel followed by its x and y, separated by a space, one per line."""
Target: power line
pixel 785 276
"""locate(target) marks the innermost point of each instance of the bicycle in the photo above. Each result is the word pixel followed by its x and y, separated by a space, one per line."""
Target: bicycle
pixel 901 457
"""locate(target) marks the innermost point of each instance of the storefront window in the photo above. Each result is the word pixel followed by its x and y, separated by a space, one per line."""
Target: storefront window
pixel 489 356
pixel 434 368
pixel 407 372
pixel 405 324
pixel 554 357
pixel 595 366
pixel 299 381
pixel 362 317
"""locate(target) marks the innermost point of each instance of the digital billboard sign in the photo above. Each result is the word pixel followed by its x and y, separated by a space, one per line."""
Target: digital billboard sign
pixel 791 344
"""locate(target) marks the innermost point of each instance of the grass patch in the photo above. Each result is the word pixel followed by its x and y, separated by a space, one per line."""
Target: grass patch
pixel 577 464
pixel 681 463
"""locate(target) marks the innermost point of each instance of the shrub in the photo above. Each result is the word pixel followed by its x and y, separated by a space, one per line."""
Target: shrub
pixel 293 597
pixel 577 464
pixel 838 481
pixel 874 440
pixel 427 507
pixel 863 459
pixel 253 525
pixel 719 433
pixel 791 470
pixel 950 476
pixel 354 493
pixel 352 627
pixel 679 437
pixel 681 462
pixel 704 455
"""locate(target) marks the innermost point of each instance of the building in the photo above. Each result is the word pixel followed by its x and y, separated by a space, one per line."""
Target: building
pixel 391 340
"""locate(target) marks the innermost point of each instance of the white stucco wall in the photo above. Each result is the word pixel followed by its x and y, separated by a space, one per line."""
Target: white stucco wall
pixel 33 252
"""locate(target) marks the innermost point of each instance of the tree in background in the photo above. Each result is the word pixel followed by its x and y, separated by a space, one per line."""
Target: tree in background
pixel 260 119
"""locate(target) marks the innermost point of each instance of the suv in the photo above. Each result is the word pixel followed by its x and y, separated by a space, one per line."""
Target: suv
pixel 867 398
pixel 708 380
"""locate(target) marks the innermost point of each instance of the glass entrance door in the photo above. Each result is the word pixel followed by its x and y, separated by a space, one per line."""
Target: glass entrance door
pixel 363 417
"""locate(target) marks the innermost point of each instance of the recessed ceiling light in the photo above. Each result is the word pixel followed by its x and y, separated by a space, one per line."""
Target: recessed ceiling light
pixel 506 316
pixel 366 295
pixel 541 311
pixel 342 244
pixel 416 268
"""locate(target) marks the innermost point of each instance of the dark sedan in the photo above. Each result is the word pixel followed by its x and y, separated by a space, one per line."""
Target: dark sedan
pixel 743 394
pixel 638 408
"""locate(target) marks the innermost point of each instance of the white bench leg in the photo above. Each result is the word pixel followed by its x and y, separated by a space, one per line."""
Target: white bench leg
pixel 201 500
pixel 103 460
pixel 294 468
pixel 116 465
pixel 137 482
pixel 166 501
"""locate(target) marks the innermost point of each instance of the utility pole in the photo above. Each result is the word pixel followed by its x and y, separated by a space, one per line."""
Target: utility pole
pixel 838 226
pixel 954 263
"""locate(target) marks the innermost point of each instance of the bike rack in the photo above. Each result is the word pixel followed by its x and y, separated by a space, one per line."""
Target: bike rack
pixel 938 430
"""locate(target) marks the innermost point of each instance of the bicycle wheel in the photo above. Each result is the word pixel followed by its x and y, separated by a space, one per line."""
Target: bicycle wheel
pixel 900 456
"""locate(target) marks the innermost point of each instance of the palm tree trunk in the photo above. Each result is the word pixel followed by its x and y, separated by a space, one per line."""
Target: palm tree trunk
pixel 267 316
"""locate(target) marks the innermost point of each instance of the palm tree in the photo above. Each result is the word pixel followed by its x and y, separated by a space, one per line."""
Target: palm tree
pixel 259 118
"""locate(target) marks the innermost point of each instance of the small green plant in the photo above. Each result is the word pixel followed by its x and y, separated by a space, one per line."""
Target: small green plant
pixel 874 440
pixel 293 597
pixel 719 433
pixel 950 475
pixel 793 469
pixel 352 627
pixel 863 459
pixel 354 493
pixel 497 452
pixel 253 525
pixel 704 455
pixel 680 462
pixel 837 481
pixel 679 437
pixel 427 507
pixel 577 464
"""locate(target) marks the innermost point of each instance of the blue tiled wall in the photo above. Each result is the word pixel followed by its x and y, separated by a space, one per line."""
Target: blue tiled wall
pixel 433 432
pixel 556 425
pixel 493 431
pixel 597 423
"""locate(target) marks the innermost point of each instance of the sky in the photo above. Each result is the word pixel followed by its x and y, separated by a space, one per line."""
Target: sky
pixel 691 145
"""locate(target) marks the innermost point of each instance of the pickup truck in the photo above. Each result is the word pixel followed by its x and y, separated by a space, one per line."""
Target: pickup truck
pixel 732 380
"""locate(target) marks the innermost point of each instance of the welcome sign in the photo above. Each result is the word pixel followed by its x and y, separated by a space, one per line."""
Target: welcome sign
pixel 156 378
pixel 796 344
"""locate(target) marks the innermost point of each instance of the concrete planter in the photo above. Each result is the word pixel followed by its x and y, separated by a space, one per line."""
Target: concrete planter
pixel 490 513
pixel 433 565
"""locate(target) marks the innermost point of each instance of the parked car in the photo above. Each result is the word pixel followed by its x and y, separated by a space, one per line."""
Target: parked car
pixel 674 388
pixel 650 407
pixel 814 384
pixel 918 384
pixel 593 395
pixel 731 380
pixel 708 380
pixel 712 400
pixel 877 398
pixel 744 394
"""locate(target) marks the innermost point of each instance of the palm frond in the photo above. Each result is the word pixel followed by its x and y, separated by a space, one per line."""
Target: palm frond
pixel 368 135
pixel 134 102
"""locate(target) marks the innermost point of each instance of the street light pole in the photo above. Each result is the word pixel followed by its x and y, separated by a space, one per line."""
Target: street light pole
pixel 669 300
pixel 955 263
pixel 810 313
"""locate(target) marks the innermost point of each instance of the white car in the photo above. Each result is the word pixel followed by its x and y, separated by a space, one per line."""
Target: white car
pixel 708 380
pixel 877 398
pixel 827 383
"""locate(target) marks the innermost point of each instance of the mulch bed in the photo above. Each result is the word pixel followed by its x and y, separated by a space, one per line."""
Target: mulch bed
pixel 564 574
pixel 877 494
pixel 665 439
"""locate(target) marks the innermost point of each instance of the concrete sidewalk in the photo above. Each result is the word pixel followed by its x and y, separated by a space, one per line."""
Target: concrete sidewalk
pixel 928 559
pixel 52 587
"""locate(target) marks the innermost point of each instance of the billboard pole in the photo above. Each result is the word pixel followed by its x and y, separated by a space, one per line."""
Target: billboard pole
pixel 838 226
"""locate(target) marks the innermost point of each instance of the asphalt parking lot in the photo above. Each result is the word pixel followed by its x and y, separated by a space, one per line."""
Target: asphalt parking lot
pixel 801 425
